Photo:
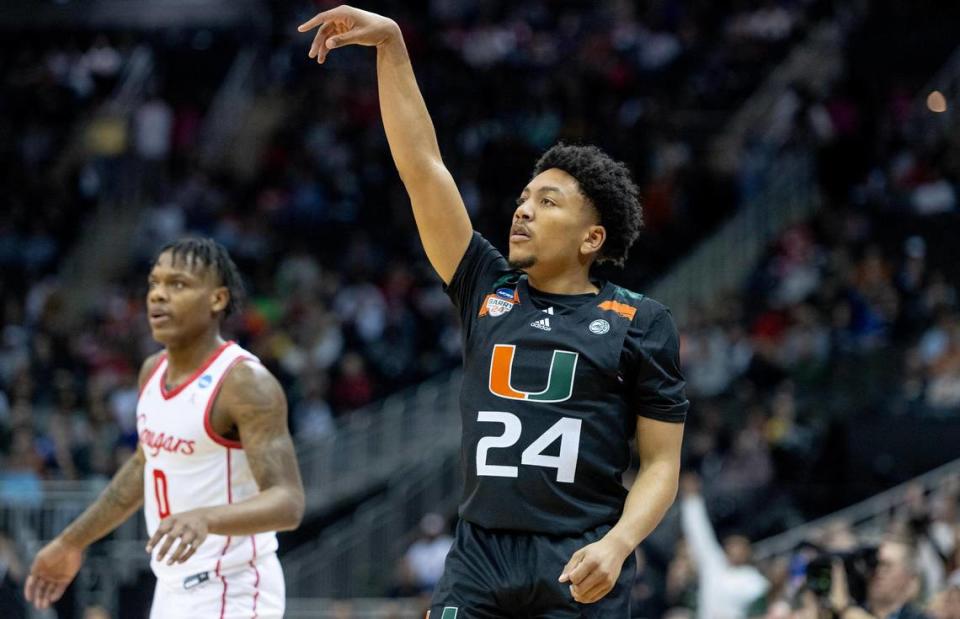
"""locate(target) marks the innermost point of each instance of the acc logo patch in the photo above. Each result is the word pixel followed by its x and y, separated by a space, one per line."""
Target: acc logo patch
pixel 204 381
pixel 599 326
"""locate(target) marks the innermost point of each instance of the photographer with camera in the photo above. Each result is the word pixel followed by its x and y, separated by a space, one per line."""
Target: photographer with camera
pixel 891 588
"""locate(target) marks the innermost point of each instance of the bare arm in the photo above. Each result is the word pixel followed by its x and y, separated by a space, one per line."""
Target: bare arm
pixel 593 570
pixel 116 503
pixel 254 400
pixel 655 488
pixel 121 498
pixel 438 208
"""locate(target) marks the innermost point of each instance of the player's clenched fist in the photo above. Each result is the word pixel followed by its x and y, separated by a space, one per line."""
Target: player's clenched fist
pixel 593 570
pixel 190 528
pixel 345 25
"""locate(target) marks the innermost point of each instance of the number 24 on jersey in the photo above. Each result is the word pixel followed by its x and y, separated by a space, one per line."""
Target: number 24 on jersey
pixel 566 429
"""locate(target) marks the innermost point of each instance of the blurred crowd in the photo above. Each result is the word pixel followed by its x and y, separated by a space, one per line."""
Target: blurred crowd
pixel 70 140
pixel 342 305
pixel 855 309
pixel 903 563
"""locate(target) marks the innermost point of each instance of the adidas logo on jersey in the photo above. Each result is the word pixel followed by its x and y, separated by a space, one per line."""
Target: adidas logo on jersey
pixel 543 324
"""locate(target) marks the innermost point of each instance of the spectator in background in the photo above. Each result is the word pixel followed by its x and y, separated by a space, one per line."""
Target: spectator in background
pixel 729 585
pixel 153 140
pixel 425 557
pixel 895 584
pixel 11 581
pixel 946 604
pixel 153 128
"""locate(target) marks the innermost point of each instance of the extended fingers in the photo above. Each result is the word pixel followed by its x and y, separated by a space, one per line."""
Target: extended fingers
pixel 30 589
pixel 169 540
pixel 158 535
pixel 56 591
pixel 176 555
pixel 188 543
pixel 319 18
pixel 319 47
pixel 45 593
pixel 190 551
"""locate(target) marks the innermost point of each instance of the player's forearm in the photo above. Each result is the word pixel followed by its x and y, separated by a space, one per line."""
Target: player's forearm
pixel 278 508
pixel 119 500
pixel 409 129
pixel 651 495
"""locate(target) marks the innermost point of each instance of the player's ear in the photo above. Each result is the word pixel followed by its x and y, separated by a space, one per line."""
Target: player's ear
pixel 593 240
pixel 220 298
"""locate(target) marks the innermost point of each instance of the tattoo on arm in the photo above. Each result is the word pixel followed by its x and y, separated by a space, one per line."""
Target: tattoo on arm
pixel 115 504
pixel 122 497
pixel 258 406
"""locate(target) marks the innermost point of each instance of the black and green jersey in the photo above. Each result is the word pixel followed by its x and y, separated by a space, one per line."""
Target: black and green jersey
pixel 552 388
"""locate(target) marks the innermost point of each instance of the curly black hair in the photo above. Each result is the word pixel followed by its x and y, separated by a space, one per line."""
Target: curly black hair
pixel 609 187
pixel 209 254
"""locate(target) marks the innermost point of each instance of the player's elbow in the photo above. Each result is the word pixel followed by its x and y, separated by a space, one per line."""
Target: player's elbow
pixel 293 510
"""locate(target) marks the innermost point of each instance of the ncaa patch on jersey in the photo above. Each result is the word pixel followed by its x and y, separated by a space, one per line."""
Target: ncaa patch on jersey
pixel 506 293
pixel 204 381
pixel 599 326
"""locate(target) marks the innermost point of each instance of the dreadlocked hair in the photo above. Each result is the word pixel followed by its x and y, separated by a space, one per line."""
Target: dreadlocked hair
pixel 609 187
pixel 209 254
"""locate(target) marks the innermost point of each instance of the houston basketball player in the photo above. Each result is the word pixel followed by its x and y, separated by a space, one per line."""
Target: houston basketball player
pixel 215 468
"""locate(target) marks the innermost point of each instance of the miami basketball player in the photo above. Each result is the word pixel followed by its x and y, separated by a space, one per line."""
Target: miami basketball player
pixel 215 468
pixel 561 369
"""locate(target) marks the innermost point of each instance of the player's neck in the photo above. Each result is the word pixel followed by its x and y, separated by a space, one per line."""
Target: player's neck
pixel 183 358
pixel 564 282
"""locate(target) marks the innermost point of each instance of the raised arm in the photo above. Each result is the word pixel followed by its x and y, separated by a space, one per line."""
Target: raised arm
pixel 57 563
pixel 441 217
pixel 254 400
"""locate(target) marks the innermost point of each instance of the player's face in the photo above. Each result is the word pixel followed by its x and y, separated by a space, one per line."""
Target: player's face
pixel 554 226
pixel 183 299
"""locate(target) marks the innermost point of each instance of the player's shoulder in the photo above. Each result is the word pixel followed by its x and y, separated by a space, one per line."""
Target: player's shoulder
pixel 149 365
pixel 249 381
pixel 248 370
pixel 642 311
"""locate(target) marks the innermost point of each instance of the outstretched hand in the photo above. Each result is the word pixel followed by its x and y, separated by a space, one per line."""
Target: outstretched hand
pixel 52 571
pixel 190 528
pixel 345 25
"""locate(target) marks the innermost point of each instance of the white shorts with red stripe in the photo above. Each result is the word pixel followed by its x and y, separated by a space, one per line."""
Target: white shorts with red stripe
pixel 253 591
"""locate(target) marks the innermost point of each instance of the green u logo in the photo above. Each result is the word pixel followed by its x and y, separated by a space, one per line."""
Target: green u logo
pixel 559 382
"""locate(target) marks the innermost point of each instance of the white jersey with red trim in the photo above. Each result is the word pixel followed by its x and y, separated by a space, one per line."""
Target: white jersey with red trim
pixel 189 466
